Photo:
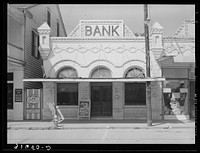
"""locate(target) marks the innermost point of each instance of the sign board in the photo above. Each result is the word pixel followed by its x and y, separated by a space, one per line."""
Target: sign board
pixel 185 90
pixel 167 90
pixel 101 28
pixel 175 95
pixel 84 109
pixel 18 95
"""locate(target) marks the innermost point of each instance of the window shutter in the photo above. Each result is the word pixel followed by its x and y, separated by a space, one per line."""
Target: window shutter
pixel 49 18
pixel 38 44
pixel 58 29
pixel 33 42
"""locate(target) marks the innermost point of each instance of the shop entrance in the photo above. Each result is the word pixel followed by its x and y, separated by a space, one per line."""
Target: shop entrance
pixel 101 99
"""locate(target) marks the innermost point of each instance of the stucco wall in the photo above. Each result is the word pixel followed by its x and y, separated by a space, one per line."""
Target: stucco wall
pixel 85 56
pixel 118 100
pixel 48 97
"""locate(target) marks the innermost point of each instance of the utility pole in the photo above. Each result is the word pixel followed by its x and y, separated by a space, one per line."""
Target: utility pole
pixel 148 87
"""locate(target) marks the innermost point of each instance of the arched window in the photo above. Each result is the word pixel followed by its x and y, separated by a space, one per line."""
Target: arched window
pixel 135 73
pixel 67 72
pixel 101 72
pixel 135 92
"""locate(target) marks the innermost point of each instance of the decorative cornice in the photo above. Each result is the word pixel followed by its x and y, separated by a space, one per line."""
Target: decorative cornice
pixel 184 25
pixel 179 39
pixel 69 39
pixel 109 22
pixel 160 31
pixel 99 60
pixel 179 48
pixel 96 49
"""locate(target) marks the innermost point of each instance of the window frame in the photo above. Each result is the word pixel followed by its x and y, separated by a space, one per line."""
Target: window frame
pixel 11 82
pixel 49 17
pixel 35 44
pixel 58 28
pixel 12 105
pixel 125 95
pixel 71 103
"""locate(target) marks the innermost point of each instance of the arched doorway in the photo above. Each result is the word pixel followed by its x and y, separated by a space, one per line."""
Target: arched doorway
pixel 101 94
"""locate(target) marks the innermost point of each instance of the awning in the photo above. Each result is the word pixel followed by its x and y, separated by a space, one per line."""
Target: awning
pixel 94 80
pixel 184 59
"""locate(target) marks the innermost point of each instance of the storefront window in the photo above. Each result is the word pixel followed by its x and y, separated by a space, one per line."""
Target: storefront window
pixel 175 93
pixel 67 94
pixel 10 96
pixel 135 94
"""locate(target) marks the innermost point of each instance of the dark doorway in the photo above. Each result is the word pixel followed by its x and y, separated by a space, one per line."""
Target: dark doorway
pixel 192 99
pixel 101 99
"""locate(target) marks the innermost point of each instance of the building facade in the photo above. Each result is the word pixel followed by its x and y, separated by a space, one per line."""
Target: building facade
pixel 23 57
pixel 99 72
pixel 177 61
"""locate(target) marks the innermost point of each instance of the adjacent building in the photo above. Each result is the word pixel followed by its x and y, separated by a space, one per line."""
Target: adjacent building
pixel 177 61
pixel 23 57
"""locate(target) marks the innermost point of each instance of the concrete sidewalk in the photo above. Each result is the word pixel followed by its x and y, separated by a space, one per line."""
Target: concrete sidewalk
pixel 96 124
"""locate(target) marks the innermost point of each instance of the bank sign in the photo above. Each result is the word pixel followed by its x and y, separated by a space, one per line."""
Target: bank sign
pixel 101 28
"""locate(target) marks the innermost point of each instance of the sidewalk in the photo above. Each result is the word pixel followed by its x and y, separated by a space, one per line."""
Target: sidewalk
pixel 99 124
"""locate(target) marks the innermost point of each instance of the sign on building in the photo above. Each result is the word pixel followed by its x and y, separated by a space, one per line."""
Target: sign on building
pixel 84 109
pixel 101 28
pixel 18 95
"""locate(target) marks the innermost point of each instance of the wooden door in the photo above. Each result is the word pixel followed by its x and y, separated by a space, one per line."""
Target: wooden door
pixel 33 104
pixel 101 97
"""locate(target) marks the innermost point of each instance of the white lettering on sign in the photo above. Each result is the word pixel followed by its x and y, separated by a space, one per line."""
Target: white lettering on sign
pixel 185 90
pixel 101 28
pixel 167 90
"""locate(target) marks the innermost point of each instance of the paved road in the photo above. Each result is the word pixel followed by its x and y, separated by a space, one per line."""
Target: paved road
pixel 103 136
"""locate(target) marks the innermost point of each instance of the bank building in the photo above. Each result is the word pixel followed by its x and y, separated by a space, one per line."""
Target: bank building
pixel 99 72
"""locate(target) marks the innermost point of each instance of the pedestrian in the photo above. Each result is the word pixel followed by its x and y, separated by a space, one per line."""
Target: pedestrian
pixel 60 115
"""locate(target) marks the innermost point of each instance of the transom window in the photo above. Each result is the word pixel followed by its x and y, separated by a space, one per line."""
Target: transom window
pixel 67 72
pixel 67 94
pixel 135 73
pixel 101 72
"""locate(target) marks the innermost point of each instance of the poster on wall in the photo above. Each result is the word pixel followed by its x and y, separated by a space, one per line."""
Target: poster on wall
pixel 84 109
pixel 18 95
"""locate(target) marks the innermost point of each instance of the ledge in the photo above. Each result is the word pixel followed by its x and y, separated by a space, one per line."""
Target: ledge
pixel 93 80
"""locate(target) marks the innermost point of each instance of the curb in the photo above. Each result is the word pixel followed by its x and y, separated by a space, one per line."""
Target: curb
pixel 72 128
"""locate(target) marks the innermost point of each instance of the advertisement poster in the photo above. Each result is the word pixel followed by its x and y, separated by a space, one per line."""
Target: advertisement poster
pixel 84 109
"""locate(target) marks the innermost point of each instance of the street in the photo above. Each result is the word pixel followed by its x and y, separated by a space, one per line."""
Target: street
pixel 102 136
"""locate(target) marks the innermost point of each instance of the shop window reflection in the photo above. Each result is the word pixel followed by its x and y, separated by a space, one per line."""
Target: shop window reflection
pixel 175 97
